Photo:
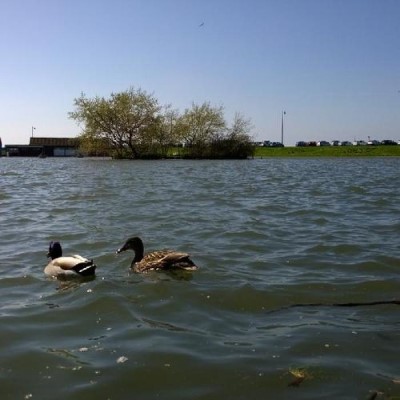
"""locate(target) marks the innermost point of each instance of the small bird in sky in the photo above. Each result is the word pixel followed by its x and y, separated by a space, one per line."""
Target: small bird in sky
pixel 202 24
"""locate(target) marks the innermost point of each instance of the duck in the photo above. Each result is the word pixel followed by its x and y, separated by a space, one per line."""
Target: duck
pixel 75 265
pixel 156 260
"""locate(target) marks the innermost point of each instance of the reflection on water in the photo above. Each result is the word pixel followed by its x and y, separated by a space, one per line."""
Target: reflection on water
pixel 267 235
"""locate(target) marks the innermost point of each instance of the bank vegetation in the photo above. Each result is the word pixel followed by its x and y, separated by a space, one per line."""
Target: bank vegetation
pixel 328 151
pixel 132 124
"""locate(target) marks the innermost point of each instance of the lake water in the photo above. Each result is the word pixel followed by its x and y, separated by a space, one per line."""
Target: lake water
pixel 267 234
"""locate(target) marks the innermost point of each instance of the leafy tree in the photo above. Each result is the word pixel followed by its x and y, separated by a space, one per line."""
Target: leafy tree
pixel 200 125
pixel 92 146
pixel 131 124
pixel 207 135
pixel 124 121
pixel 165 131
pixel 238 140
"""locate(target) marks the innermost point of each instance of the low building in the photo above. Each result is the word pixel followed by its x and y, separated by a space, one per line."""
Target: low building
pixel 45 147
pixel 22 150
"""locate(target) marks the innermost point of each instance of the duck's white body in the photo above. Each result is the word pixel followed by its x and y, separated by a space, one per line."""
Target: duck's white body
pixel 66 265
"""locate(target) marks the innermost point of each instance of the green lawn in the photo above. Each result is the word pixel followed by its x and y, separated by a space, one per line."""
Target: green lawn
pixel 329 151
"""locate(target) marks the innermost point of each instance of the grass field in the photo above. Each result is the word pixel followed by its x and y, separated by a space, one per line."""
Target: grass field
pixel 329 151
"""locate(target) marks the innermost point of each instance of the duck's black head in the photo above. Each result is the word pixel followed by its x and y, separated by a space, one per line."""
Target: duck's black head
pixel 133 243
pixel 55 250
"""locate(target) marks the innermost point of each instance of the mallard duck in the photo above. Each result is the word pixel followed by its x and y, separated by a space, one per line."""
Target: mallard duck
pixel 156 260
pixel 71 265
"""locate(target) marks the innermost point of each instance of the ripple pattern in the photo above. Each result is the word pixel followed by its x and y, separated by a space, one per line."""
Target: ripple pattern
pixel 267 234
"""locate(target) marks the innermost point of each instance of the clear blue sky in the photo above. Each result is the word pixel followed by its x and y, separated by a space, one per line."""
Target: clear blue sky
pixel 333 65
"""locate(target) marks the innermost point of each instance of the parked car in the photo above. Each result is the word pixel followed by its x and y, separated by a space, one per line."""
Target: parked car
pixel 346 143
pixel 301 144
pixel 323 143
pixel 360 143
pixel 335 142
pixel 388 142
pixel 374 142
pixel 312 143
pixel 277 144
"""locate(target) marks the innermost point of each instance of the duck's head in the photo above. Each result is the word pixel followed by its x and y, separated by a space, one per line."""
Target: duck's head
pixel 134 243
pixel 55 250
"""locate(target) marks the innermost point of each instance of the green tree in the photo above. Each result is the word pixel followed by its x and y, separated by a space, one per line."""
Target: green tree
pixel 92 146
pixel 131 124
pixel 124 122
pixel 165 134
pixel 199 126
pixel 238 141
pixel 206 134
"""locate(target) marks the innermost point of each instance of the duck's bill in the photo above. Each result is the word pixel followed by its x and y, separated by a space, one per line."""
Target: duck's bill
pixel 120 250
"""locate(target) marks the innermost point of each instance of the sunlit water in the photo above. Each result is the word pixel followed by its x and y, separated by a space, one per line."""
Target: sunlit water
pixel 267 234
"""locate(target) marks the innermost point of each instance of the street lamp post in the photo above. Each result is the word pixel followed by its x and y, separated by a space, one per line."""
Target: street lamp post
pixel 33 128
pixel 283 113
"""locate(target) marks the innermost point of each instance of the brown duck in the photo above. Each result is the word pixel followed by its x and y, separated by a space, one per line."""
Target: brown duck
pixel 156 260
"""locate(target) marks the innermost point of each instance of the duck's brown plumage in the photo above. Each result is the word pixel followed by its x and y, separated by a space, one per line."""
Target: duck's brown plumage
pixel 156 260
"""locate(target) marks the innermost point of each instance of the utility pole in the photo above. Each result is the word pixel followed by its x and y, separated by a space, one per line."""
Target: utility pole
pixel 283 113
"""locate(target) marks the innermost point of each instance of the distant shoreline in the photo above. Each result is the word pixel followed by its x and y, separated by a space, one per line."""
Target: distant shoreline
pixel 329 151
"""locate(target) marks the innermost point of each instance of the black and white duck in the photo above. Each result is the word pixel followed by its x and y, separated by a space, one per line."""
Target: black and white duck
pixel 67 266
pixel 156 260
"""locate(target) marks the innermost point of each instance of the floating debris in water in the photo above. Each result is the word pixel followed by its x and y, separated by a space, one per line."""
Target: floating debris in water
pixel 300 375
pixel 122 359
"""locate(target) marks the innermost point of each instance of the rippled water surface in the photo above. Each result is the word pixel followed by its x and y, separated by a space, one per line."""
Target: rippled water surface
pixel 267 234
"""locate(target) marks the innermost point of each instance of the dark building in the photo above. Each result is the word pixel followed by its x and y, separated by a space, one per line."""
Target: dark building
pixel 45 147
